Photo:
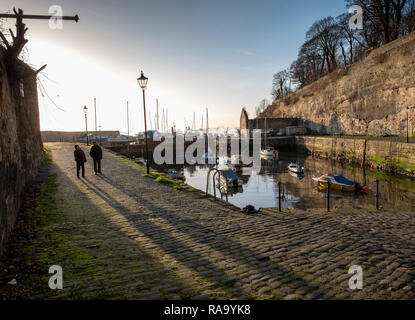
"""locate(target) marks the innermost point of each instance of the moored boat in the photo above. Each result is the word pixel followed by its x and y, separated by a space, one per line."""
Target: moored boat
pixel 295 168
pixel 337 182
pixel 230 179
pixel 269 152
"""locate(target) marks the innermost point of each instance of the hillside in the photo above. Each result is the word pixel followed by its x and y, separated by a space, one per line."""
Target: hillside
pixel 369 97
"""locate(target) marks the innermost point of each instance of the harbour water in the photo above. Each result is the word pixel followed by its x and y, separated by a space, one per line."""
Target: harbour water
pixel 260 189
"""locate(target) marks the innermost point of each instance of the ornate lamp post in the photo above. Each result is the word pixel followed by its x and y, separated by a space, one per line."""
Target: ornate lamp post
pixel 142 81
pixel 86 124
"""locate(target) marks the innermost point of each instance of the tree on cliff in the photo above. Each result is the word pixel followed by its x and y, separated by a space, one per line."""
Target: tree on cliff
pixel 383 17
pixel 325 35
pixel 261 107
pixel 331 43
pixel 280 84
pixel 408 19
pixel 348 39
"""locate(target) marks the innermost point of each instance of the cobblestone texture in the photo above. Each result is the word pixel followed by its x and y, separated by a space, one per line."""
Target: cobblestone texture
pixel 149 241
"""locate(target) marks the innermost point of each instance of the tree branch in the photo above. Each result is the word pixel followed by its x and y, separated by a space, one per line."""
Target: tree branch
pixel 19 41
pixel 3 38
pixel 42 68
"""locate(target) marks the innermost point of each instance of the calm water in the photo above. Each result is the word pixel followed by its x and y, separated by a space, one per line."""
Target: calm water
pixel 261 188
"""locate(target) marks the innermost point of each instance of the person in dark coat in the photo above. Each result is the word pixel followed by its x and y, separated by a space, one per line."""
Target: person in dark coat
pixel 80 159
pixel 96 154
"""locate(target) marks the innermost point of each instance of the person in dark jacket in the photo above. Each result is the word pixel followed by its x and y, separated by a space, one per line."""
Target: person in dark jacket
pixel 80 159
pixel 96 154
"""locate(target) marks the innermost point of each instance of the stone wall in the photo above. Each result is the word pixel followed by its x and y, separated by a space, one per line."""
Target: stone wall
pixel 262 123
pixel 396 157
pixel 21 150
pixel 368 98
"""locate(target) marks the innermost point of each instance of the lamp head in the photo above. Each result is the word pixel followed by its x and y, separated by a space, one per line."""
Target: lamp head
pixel 142 81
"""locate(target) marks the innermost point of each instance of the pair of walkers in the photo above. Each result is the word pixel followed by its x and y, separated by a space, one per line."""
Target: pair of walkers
pixel 80 159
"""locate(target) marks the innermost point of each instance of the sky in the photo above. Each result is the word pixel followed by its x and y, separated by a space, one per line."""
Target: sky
pixel 197 54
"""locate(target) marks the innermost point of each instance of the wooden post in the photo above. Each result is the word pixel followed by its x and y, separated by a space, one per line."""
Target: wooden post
pixel 377 194
pixel 328 196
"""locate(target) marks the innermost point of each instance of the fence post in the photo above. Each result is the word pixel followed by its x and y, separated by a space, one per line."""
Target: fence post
pixel 279 196
pixel 377 194
pixel 328 196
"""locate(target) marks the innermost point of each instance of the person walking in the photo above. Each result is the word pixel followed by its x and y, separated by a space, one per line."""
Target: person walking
pixel 80 159
pixel 96 154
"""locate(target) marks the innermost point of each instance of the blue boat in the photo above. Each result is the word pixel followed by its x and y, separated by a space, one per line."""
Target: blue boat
pixel 232 180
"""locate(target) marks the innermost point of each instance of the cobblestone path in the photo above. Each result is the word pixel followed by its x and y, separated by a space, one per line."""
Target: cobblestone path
pixel 145 240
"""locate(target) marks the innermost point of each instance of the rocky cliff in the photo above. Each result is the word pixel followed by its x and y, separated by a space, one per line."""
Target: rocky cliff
pixel 21 150
pixel 368 98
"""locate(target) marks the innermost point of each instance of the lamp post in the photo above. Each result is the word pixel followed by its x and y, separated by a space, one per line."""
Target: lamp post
pixel 142 81
pixel 86 124
pixel 99 134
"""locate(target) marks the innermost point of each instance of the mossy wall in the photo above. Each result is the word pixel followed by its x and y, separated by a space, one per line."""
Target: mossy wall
pixel 21 150
pixel 393 156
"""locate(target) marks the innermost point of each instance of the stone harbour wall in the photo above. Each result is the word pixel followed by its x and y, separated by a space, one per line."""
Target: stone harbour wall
pixel 392 156
pixel 21 150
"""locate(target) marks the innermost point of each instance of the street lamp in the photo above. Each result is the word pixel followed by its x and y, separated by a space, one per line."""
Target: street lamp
pixel 86 124
pixel 142 81
pixel 100 134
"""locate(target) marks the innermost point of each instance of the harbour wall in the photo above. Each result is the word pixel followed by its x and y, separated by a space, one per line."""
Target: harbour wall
pixel 392 156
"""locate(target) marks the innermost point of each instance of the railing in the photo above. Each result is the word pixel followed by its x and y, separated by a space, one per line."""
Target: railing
pixel 220 172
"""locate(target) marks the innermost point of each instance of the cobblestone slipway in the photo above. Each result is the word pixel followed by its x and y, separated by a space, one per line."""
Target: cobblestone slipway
pixel 146 240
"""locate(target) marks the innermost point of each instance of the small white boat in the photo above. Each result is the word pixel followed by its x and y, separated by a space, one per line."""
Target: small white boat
pixel 295 168
pixel 268 152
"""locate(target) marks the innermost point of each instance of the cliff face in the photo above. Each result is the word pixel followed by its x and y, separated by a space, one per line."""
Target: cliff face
pixel 369 97
pixel 21 150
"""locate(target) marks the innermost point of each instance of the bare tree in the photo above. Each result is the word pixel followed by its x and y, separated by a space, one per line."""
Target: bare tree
pixel 348 38
pixel 325 34
pixel 281 84
pixel 384 17
pixel 408 19
pixel 261 107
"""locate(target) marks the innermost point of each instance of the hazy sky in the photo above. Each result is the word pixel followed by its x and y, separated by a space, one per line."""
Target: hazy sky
pixel 196 54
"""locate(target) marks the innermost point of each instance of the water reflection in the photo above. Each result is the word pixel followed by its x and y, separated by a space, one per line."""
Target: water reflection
pixel 298 191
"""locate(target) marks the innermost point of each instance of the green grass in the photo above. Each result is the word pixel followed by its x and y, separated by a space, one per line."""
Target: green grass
pixel 42 238
pixel 161 178
pixel 47 156
pixel 397 164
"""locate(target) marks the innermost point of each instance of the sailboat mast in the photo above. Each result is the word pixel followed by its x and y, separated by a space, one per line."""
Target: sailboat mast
pixel 128 122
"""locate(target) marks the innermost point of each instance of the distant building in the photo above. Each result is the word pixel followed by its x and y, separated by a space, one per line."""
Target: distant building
pixel 67 136
pixel 281 126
